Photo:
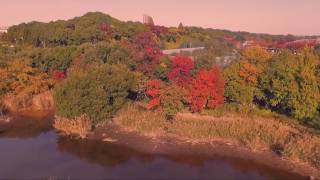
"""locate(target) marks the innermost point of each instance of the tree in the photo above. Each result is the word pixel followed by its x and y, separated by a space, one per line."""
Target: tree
pixel 290 84
pixel 50 59
pixel 148 51
pixel 163 68
pixel 207 90
pixel 180 72
pixel 249 73
pixel 172 99
pixel 22 79
pixel 153 91
pixel 98 94
pixel 256 54
pixel 237 90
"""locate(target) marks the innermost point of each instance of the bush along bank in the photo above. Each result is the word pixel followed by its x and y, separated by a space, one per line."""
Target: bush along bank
pixel 88 98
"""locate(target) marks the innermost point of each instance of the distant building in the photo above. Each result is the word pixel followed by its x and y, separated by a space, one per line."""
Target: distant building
pixel 3 29
pixel 181 51
pixel 147 20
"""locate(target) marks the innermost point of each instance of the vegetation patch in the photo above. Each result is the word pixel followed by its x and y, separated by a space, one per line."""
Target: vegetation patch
pixel 149 122
pixel 79 126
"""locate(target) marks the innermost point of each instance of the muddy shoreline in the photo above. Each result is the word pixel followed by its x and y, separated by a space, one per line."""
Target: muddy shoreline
pixel 167 144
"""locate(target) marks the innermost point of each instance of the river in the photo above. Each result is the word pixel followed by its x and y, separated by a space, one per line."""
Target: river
pixel 31 149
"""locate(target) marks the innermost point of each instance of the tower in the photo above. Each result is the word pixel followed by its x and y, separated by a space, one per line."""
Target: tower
pixel 147 20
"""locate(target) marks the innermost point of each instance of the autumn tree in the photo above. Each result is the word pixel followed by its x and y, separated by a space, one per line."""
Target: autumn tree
pixel 167 97
pixel 162 69
pixel 153 91
pixel 148 50
pixel 22 78
pixel 172 98
pixel 181 70
pixel 237 90
pixel 256 54
pixel 249 73
pixel 207 90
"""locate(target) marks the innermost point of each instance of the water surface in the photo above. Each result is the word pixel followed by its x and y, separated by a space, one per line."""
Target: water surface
pixel 34 150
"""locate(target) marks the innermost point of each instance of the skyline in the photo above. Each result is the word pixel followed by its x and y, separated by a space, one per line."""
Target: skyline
pixel 257 16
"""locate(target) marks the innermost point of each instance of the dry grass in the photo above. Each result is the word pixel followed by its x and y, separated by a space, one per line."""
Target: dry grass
pixel 306 149
pixel 256 133
pixel 79 126
pixel 247 131
pixel 148 122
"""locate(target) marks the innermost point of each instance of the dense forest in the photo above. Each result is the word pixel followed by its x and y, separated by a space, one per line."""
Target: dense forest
pixel 94 64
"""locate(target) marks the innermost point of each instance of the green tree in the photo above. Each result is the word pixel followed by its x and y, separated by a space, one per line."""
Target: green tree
pixel 236 88
pixel 290 84
pixel 98 94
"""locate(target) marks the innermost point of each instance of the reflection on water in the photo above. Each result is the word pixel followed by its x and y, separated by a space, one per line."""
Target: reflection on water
pixel 48 155
pixel 19 127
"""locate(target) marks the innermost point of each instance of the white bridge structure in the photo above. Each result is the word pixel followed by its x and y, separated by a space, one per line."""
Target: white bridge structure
pixel 180 51
pixel 3 29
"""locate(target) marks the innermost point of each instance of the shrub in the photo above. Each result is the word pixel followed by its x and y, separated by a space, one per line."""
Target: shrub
pixel 172 98
pixel 98 94
pixel 20 78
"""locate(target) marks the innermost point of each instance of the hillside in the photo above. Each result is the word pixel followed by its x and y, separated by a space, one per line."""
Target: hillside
pixel 93 26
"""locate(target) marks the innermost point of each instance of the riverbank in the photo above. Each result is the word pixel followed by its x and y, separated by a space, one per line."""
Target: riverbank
pixel 171 145
pixel 272 143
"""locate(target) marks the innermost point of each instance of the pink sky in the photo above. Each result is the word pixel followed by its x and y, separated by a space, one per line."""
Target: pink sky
pixel 300 17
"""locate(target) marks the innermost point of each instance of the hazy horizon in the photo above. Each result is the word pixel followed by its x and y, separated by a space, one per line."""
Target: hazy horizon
pixel 257 16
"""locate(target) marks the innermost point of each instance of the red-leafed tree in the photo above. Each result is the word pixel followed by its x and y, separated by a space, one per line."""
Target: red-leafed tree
pixel 181 70
pixel 154 91
pixel 207 90
pixel 158 30
pixel 148 51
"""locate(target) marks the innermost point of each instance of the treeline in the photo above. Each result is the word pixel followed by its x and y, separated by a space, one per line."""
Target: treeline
pixel 95 26
pixel 285 82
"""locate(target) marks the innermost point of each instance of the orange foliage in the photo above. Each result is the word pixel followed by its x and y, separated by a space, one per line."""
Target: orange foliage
pixel 21 78
pixel 249 73
pixel 256 54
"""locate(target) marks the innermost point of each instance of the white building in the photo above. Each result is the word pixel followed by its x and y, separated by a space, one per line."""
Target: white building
pixel 3 29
